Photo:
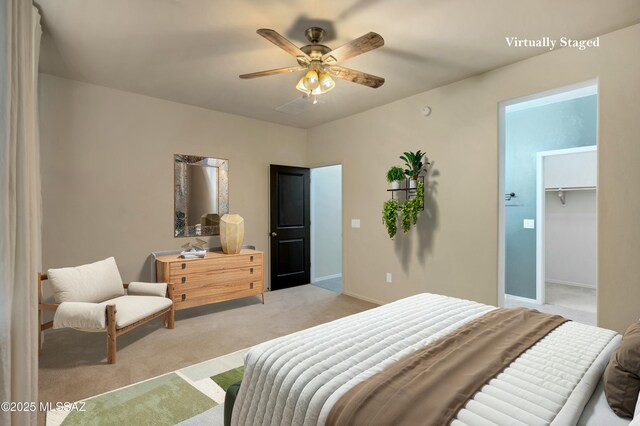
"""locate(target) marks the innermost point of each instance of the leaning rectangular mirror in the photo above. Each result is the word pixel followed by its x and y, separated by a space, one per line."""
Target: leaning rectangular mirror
pixel 201 188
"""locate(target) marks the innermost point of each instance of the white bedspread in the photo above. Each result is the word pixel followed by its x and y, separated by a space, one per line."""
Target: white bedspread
pixel 597 411
pixel 296 379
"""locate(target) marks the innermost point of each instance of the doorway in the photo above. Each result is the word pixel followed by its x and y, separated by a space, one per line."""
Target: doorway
pixel 547 246
pixel 326 227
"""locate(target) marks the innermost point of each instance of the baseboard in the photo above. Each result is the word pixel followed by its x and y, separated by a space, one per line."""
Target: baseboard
pixel 327 277
pixel 366 299
pixel 572 284
pixel 520 299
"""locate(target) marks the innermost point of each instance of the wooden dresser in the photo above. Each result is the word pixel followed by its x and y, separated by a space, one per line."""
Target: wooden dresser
pixel 215 278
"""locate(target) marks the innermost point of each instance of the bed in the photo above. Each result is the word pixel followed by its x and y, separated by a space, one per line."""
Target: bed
pixel 299 378
pixel 598 413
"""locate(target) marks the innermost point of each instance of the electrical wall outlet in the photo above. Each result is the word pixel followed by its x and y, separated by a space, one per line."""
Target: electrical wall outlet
pixel 355 223
pixel 389 278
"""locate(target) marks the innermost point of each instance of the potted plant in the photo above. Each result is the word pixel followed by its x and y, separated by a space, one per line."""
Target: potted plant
pixel 390 216
pixel 394 175
pixel 415 165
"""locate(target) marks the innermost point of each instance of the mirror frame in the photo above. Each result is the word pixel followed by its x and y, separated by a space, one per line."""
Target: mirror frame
pixel 180 191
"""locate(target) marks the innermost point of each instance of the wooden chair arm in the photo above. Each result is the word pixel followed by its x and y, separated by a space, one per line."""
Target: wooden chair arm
pixel 47 306
pixel 169 288
pixel 170 291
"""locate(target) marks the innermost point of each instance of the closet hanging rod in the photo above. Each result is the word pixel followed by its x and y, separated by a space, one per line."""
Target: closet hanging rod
pixel 571 188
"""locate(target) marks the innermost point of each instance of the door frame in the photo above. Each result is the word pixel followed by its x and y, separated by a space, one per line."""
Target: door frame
pixel 502 115
pixel 341 219
pixel 541 217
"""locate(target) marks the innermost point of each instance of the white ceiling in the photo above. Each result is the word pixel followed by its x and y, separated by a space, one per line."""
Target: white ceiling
pixel 192 51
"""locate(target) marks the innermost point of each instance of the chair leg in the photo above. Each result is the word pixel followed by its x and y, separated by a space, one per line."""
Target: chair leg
pixel 171 319
pixel 39 331
pixel 39 313
pixel 172 312
pixel 111 334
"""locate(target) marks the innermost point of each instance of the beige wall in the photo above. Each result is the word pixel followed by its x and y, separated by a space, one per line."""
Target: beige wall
pixel 107 176
pixel 454 251
pixel 107 171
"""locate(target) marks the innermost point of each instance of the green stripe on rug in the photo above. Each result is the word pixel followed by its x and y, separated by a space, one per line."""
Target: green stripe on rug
pixel 226 379
pixel 165 400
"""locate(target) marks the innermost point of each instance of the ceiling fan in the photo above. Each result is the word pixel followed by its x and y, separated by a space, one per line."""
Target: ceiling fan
pixel 320 61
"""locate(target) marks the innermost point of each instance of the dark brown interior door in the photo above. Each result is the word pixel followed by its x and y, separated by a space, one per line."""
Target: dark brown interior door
pixel 290 227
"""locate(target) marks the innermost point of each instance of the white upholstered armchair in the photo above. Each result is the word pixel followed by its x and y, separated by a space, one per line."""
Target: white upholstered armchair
pixel 93 298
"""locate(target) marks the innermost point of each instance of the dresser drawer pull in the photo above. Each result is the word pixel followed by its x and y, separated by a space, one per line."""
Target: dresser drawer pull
pixel 251 285
pixel 184 280
pixel 251 270
pixel 250 258
pixel 184 297
pixel 184 266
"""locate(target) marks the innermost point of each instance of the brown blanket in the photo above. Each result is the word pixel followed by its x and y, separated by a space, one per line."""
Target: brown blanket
pixel 430 386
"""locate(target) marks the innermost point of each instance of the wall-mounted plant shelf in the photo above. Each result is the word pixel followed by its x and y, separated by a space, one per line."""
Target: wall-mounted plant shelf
pixel 406 193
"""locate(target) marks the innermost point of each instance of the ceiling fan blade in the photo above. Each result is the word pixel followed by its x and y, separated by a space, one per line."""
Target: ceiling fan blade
pixel 355 47
pixel 357 76
pixel 283 43
pixel 271 72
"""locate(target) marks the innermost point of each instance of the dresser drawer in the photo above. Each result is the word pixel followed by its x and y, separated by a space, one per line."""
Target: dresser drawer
pixel 217 277
pixel 185 298
pixel 198 266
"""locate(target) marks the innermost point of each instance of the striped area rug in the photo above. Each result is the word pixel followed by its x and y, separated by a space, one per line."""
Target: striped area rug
pixel 191 396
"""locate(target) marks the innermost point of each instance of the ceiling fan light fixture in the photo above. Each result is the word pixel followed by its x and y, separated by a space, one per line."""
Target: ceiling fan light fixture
pixel 313 83
pixel 311 80
pixel 317 91
pixel 326 83
pixel 301 87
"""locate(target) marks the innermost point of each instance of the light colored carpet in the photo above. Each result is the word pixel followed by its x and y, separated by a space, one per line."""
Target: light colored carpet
pixel 572 297
pixel 575 303
pixel 334 284
pixel 72 363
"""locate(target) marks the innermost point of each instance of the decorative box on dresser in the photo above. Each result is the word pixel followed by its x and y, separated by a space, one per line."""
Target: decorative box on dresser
pixel 215 278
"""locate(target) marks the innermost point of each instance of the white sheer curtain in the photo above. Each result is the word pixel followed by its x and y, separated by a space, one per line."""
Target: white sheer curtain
pixel 20 213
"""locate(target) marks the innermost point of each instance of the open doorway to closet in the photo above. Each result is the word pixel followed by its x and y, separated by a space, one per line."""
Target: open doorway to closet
pixel 326 227
pixel 548 219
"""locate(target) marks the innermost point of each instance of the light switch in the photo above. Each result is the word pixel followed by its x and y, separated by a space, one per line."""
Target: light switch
pixel 528 224
pixel 355 223
pixel 389 278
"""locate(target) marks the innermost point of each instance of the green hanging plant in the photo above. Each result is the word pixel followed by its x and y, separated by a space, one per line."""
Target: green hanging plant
pixel 419 196
pixel 390 216
pixel 409 211
pixel 405 221
pixel 411 208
